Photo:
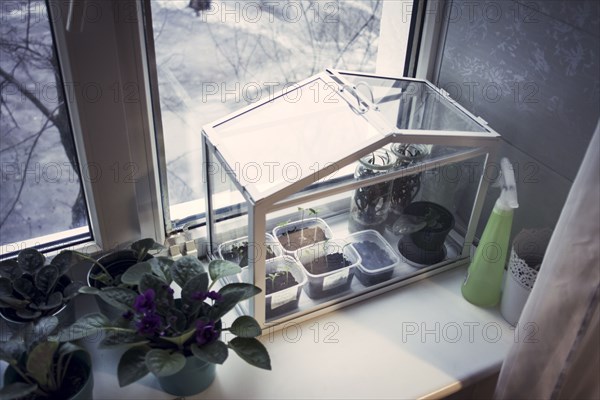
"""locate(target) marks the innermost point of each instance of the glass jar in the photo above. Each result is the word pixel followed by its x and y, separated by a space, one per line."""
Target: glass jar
pixel 371 204
pixel 405 189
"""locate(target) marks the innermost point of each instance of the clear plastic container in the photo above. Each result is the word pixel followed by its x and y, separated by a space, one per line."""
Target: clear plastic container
pixel 286 300
pixel 377 257
pixel 233 250
pixel 331 282
pixel 288 234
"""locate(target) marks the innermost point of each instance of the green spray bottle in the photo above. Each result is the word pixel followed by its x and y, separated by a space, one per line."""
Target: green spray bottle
pixel 483 283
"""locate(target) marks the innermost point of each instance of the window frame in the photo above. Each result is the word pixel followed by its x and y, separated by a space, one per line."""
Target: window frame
pixel 113 132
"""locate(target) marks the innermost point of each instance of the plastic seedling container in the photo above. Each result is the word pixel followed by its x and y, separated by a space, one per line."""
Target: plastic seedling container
pixel 377 257
pixel 323 279
pixel 281 301
pixel 237 250
pixel 299 234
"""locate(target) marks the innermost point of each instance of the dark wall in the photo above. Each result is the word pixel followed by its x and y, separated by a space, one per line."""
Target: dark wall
pixel 531 70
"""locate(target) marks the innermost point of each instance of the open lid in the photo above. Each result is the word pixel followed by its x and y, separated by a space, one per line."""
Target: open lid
pixel 290 140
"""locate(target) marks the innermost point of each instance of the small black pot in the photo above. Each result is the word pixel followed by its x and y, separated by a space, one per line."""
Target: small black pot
pixel 65 313
pixel 431 238
pixel 116 263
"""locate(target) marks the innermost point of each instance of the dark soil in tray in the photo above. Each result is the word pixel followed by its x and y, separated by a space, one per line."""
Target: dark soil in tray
pixel 301 238
pixel 328 263
pixel 278 281
pixel 373 256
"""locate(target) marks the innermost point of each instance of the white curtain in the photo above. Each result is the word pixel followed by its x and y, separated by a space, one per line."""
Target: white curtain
pixel 561 359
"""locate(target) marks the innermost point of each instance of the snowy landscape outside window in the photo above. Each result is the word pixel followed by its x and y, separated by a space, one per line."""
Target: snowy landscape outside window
pixel 41 196
pixel 215 57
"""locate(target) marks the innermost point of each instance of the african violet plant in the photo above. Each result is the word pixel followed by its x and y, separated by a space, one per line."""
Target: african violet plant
pixel 161 331
pixel 30 288
pixel 43 367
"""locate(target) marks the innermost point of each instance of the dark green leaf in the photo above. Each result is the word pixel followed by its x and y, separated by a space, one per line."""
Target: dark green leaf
pixel 30 260
pixel 39 331
pixel 12 302
pixel 103 278
pixel 161 267
pixel 28 314
pixel 121 298
pixel 86 326
pixel 134 273
pixel 72 289
pixel 5 287
pixel 65 350
pixel 89 290
pixel 185 269
pixel 180 323
pixel 252 351
pixel 164 362
pixel 215 352
pixel 164 300
pixel 39 361
pixel 198 283
pixel 221 268
pixel 45 278
pixel 10 269
pixel 54 300
pixel 132 365
pixel 17 390
pixel 24 287
pixel 232 294
pixel 11 350
pixel 119 338
pixel 144 246
pixel 181 339
pixel 65 260
pixel 245 327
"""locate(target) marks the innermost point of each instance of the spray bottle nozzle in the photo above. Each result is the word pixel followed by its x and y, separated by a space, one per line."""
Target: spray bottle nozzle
pixel 508 196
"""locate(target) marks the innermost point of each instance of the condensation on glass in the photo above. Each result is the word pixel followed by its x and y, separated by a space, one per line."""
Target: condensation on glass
pixel 349 185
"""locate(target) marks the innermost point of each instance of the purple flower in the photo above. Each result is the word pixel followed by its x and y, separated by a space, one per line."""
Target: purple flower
pixel 205 332
pixel 201 296
pixel 148 325
pixel 145 302
pixel 127 315
pixel 169 290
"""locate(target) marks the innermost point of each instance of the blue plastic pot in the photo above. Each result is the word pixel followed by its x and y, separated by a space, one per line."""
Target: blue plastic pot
pixel 195 377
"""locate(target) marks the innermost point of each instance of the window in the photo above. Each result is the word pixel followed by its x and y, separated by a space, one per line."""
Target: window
pixel 41 196
pixel 214 57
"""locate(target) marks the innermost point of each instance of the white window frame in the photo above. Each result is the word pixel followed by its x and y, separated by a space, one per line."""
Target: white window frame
pixel 108 44
pixel 100 45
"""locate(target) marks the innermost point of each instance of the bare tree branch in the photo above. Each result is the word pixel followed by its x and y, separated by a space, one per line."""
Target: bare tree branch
pixel 18 196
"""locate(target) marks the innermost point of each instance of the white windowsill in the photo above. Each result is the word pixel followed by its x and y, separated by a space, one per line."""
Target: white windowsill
pixel 371 358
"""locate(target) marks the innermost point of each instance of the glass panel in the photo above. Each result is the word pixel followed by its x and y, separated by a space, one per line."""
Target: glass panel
pixel 41 197
pixel 297 133
pixel 334 258
pixel 218 56
pixel 415 105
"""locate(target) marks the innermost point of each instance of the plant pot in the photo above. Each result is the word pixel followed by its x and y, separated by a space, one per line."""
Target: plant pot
pixel 285 300
pixel 116 263
pixel 370 205
pixel 431 238
pixel 405 189
pixel 65 314
pixel 328 280
pixel 79 362
pixel 377 257
pixel 227 250
pixel 195 377
pixel 298 240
